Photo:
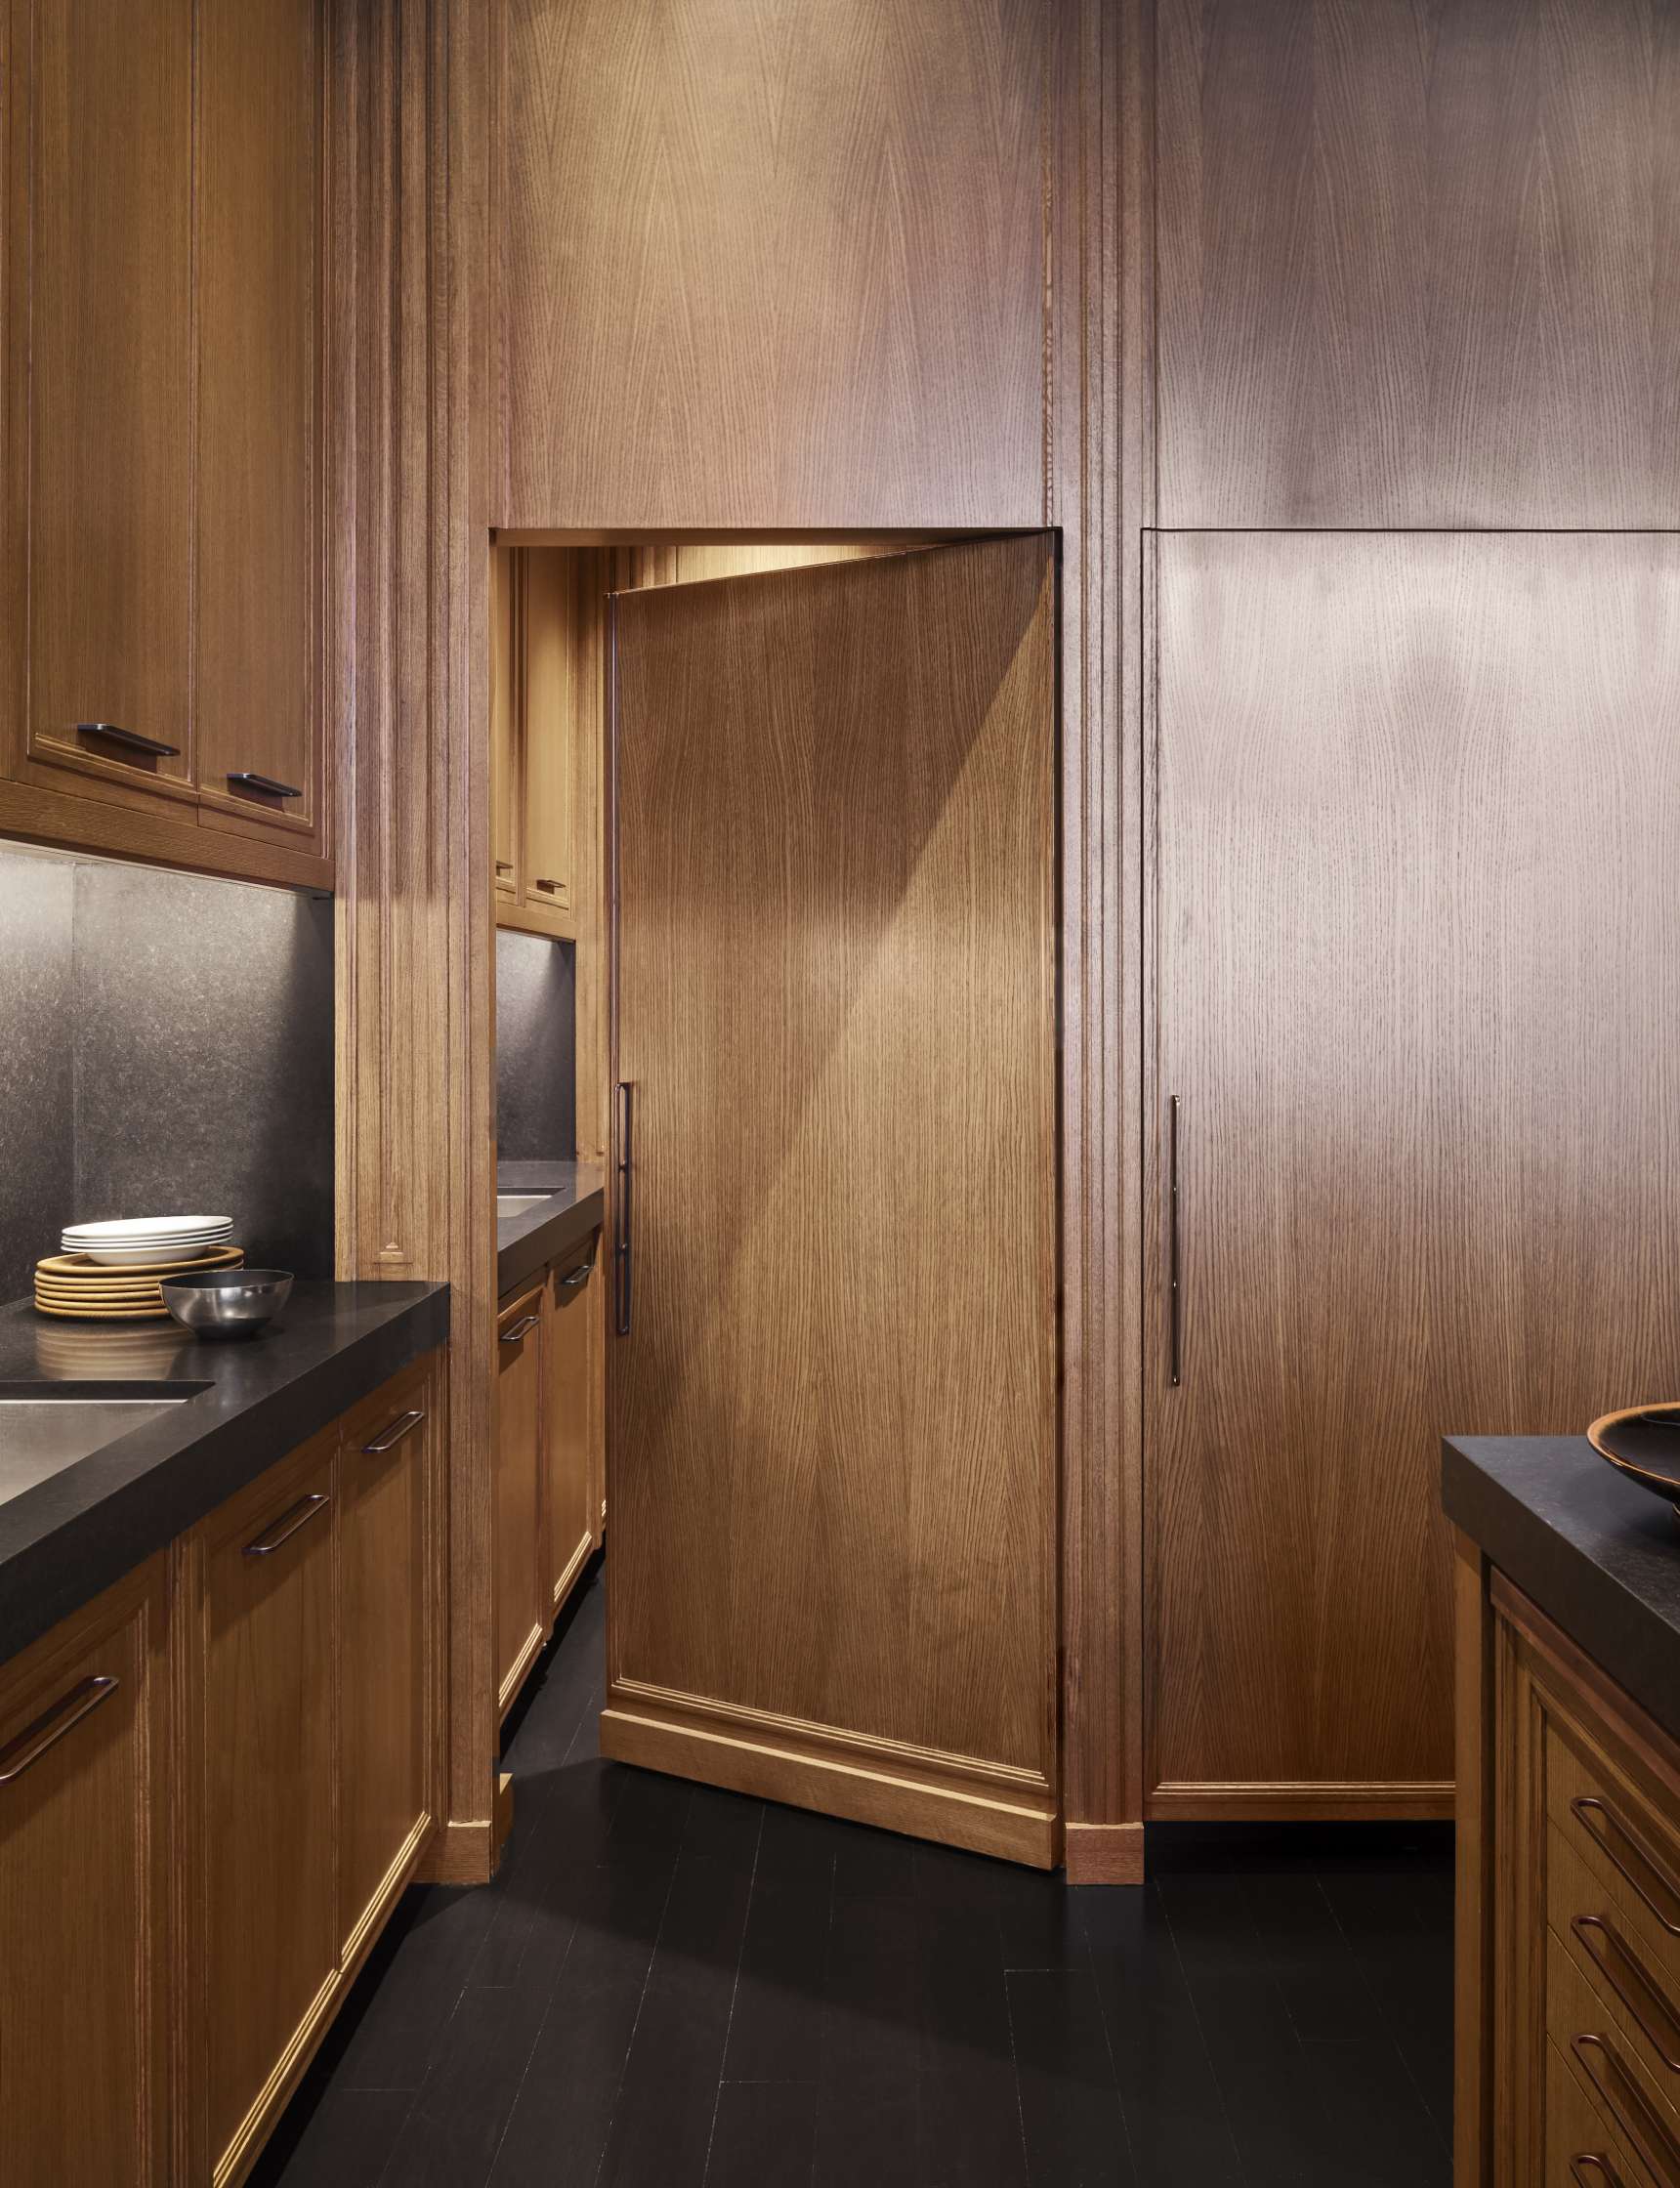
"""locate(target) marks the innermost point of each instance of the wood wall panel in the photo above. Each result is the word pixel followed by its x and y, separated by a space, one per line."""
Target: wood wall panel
pixel 1418 262
pixel 775 265
pixel 1414 979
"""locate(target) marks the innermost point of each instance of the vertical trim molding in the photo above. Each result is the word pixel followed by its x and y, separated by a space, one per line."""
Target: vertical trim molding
pixel 409 338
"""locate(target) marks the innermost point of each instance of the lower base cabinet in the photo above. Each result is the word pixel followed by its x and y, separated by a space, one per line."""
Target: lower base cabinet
pixel 215 1780
pixel 84 1925
pixel 519 1624
pixel 571 1421
pixel 1569 1914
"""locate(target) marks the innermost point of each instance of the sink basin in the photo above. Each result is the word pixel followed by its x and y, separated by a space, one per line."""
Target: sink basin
pixel 40 1437
pixel 515 1204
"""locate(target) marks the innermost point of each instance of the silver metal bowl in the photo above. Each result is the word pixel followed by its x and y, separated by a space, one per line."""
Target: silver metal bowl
pixel 227 1302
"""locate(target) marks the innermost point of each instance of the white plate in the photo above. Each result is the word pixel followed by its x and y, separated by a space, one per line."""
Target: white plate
pixel 130 1229
pixel 126 1257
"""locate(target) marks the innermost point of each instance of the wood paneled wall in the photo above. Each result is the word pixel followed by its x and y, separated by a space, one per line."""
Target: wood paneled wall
pixel 1418 264
pixel 774 265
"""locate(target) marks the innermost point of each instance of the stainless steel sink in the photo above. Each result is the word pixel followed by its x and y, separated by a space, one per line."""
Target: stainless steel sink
pixel 515 1204
pixel 40 1437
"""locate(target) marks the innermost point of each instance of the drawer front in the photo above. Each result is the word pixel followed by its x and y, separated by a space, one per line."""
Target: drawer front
pixel 1628 2105
pixel 1631 1860
pixel 1617 1961
pixel 1581 2151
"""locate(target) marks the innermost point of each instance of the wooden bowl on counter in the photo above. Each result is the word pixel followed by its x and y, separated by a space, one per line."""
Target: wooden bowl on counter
pixel 1643 1442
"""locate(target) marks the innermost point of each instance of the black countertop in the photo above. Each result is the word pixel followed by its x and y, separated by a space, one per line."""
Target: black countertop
pixel 254 1401
pixel 526 1244
pixel 1597 1554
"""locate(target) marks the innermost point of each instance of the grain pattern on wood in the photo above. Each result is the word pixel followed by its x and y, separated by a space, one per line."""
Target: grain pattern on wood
pixel 83 1920
pixel 99 334
pixel 258 686
pixel 832 1455
pixel 774 265
pixel 518 1578
pixel 1419 262
pixel 1405 788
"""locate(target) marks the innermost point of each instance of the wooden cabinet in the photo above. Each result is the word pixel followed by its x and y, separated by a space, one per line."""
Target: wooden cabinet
pixel 1568 1912
pixel 266 1743
pixel 519 1621
pixel 163 504
pixel 384 1490
pixel 572 1419
pixel 545 701
pixel 84 1847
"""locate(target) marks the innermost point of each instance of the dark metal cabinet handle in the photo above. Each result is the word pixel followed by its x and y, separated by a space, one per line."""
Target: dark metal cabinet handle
pixel 551 886
pixel 621 1249
pixel 266 783
pixel 403 1425
pixel 504 865
pixel 1602 2171
pixel 1636 1977
pixel 1586 1808
pixel 1174 1293
pixel 287 1524
pixel 1627 2107
pixel 579 1276
pixel 132 739
pixel 51 1726
pixel 521 1329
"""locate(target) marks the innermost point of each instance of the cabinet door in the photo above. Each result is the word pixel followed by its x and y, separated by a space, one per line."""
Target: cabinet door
pixel 98 384
pixel 571 1416
pixel 519 1623
pixel 507 570
pixel 555 662
pixel 266 1752
pixel 260 747
pixel 82 1923
pixel 384 1521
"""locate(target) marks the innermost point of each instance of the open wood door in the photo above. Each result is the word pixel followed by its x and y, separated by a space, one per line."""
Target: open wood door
pixel 832 1387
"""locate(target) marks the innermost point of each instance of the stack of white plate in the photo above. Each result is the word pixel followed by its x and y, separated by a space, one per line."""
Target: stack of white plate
pixel 142 1240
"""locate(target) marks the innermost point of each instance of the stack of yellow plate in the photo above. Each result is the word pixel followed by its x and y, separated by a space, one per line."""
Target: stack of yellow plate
pixel 77 1289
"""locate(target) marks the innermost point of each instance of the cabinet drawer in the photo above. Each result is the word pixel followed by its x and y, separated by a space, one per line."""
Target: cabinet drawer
pixel 1615 1961
pixel 1581 2151
pixel 1626 2103
pixel 1630 1858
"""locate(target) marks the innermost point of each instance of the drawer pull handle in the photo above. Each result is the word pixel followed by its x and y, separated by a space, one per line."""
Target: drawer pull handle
pixel 521 1329
pixel 504 865
pixel 264 783
pixel 47 1729
pixel 1603 2174
pixel 1635 1978
pixel 130 739
pixel 288 1524
pixel 550 886
pixel 1627 2107
pixel 579 1276
pixel 1604 1836
pixel 403 1425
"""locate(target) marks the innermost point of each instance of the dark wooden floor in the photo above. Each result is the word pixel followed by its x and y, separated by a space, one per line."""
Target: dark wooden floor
pixel 668 1985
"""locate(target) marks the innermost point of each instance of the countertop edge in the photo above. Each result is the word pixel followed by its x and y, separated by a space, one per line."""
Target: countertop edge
pixel 69 1561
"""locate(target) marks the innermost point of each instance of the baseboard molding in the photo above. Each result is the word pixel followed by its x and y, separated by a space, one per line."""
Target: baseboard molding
pixel 568 1581
pixel 463 1853
pixel 1104 1853
pixel 520 1671
pixel 1428 1800
pixel 988 1808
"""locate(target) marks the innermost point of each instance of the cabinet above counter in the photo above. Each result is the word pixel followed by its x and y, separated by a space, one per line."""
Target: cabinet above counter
pixel 162 474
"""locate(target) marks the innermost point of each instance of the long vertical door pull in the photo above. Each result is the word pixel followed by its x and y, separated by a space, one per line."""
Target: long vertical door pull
pixel 1174 1326
pixel 624 1094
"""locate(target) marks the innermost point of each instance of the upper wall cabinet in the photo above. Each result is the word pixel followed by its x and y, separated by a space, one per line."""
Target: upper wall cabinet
pixel 162 450
pixel 546 705
pixel 1418 266
pixel 771 265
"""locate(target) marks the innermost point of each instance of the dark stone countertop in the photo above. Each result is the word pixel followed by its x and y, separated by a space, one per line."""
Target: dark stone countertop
pixel 526 1244
pixel 253 1399
pixel 1597 1554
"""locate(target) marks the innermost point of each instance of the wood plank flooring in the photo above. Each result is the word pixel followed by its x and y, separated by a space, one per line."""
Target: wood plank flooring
pixel 669 1986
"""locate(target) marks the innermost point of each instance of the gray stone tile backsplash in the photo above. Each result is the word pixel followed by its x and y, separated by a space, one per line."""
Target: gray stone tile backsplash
pixel 185 1027
pixel 536 1049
